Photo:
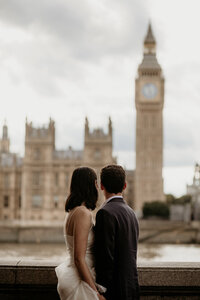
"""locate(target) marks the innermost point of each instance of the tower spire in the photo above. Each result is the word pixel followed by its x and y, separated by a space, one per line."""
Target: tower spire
pixel 149 39
pixel 86 127
pixel 149 62
pixel 5 131
pixel 110 126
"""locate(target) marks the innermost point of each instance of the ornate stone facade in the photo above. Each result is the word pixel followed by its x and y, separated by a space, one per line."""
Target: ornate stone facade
pixel 149 99
pixel 35 187
pixel 10 180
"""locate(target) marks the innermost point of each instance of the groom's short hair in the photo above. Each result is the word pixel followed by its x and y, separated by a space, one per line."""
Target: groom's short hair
pixel 113 178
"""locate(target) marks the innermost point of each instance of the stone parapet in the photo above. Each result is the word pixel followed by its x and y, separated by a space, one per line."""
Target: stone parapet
pixel 36 279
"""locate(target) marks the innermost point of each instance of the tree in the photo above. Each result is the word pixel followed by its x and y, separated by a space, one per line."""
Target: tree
pixel 156 208
pixel 181 200
pixel 170 198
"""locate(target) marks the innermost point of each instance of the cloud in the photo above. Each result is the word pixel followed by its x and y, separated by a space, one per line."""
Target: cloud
pixel 63 39
pixel 69 59
pixel 89 28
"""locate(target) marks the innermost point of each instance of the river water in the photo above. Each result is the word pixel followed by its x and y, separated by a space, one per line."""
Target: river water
pixel 146 252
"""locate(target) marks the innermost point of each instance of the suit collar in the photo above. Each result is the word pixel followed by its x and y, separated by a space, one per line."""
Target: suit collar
pixel 116 199
pixel 113 199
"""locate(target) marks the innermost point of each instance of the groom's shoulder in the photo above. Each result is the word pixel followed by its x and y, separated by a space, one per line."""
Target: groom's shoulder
pixel 115 208
pixel 105 210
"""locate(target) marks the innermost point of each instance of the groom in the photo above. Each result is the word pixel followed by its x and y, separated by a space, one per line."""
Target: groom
pixel 116 237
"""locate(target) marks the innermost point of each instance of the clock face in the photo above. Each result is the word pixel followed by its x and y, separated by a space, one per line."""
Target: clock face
pixel 149 90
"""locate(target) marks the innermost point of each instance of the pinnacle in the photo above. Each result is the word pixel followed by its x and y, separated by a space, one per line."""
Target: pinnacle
pixel 149 37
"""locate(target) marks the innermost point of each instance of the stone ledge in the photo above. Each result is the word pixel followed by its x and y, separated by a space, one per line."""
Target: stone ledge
pixel 19 278
pixel 150 274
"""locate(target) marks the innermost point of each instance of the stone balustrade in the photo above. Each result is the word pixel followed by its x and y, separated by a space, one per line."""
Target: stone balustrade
pixel 36 279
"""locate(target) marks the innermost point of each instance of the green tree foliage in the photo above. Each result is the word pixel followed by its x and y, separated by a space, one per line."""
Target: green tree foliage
pixel 170 199
pixel 184 199
pixel 156 208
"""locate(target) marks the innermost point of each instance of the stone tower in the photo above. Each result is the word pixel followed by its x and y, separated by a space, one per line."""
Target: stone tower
pixel 98 146
pixel 149 99
pixel 98 150
pixel 37 171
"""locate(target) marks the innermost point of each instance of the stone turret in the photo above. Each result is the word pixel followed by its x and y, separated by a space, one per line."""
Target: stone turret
pixel 39 141
pixel 86 127
pixel 98 145
pixel 5 141
pixel 196 178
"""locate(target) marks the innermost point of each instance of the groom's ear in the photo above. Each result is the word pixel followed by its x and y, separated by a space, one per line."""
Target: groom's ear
pixel 102 187
pixel 124 186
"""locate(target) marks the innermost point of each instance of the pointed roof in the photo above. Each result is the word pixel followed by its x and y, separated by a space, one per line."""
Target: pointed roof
pixel 149 39
pixel 149 61
pixel 5 131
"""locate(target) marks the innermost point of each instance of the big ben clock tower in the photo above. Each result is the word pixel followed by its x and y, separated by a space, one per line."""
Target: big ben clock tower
pixel 149 99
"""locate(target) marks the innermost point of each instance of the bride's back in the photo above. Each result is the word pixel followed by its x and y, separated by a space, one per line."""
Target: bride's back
pixel 73 218
pixel 72 221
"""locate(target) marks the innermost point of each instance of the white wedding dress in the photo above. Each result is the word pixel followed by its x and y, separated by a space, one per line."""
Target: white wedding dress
pixel 70 286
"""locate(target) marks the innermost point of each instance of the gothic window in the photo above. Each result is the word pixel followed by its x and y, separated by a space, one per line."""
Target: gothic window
pixel 153 120
pixel 56 179
pixel 6 201
pixel 148 163
pixel 19 202
pixel 19 181
pixel 154 163
pixel 7 181
pixel 144 163
pixel 97 154
pixel 36 201
pixel 36 178
pixel 56 199
pixel 36 154
pixel 145 121
pixel 149 142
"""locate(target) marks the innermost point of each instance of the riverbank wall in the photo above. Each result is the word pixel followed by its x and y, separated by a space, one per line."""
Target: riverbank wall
pixel 151 231
pixel 36 280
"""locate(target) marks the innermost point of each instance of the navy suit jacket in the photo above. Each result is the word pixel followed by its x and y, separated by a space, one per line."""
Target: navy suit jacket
pixel 115 250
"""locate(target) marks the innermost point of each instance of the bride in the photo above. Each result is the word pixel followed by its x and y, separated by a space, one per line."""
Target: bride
pixel 76 277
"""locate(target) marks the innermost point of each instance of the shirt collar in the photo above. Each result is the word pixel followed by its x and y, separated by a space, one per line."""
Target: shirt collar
pixel 108 200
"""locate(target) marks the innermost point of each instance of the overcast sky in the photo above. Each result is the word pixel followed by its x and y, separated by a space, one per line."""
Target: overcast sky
pixel 71 59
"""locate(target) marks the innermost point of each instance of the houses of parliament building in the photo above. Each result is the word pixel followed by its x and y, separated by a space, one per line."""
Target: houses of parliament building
pixel 34 187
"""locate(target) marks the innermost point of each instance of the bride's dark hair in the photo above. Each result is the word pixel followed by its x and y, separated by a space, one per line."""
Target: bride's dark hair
pixel 82 189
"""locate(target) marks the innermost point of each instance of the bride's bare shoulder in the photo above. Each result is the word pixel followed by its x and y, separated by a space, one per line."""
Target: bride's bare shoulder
pixel 83 211
pixel 83 217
